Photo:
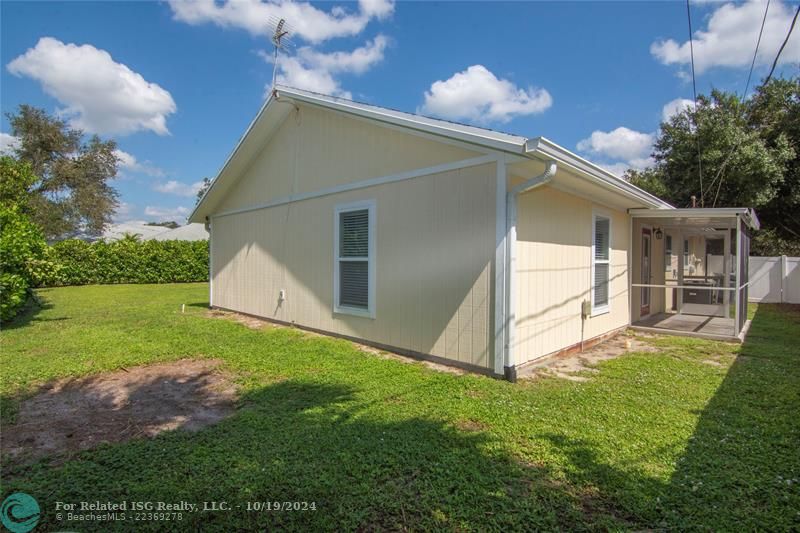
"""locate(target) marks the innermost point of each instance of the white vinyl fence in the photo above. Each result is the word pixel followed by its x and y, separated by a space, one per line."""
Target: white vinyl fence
pixel 775 279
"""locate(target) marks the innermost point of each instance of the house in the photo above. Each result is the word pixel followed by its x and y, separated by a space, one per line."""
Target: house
pixel 464 245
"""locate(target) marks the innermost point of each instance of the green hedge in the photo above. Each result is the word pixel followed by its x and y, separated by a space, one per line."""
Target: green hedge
pixel 130 261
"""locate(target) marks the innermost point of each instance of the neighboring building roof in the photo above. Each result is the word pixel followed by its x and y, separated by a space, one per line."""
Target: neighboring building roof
pixel 189 232
pixel 271 115
pixel 115 232
pixel 146 232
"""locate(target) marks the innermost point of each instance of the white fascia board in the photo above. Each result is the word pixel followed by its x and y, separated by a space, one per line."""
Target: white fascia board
pixel 602 177
pixel 748 215
pixel 471 135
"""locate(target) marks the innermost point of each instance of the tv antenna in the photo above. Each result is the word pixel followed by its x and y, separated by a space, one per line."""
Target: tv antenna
pixel 281 40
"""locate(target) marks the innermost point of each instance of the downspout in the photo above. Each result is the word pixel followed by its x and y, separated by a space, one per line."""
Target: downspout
pixel 511 258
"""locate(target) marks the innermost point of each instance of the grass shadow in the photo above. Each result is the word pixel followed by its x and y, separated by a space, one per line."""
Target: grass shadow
pixel 741 468
pixel 30 314
pixel 313 442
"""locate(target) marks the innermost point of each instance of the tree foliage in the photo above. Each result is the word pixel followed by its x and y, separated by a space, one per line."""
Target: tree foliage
pixel 25 260
pixel 748 152
pixel 71 193
pixel 776 109
pixel 171 224
pixel 203 188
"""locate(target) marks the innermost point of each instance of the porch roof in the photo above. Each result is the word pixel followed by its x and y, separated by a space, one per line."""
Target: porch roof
pixel 700 216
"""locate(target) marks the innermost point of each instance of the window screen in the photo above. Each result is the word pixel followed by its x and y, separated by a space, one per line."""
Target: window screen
pixel 353 260
pixel 600 261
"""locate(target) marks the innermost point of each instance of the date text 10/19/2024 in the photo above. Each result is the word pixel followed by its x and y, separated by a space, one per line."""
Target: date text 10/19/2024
pixel 187 507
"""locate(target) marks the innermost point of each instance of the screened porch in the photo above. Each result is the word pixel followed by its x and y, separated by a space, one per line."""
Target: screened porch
pixel 689 271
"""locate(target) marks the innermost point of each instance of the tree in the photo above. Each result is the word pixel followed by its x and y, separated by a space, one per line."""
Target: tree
pixel 71 193
pixel 747 150
pixel 203 188
pixel 170 224
pixel 17 180
pixel 775 110
pixel 24 254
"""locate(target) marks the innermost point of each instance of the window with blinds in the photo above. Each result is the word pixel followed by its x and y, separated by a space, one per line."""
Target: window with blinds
pixel 353 273
pixel 601 255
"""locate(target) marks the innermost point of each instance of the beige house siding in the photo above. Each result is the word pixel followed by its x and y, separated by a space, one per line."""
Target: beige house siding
pixel 316 149
pixel 553 268
pixel 434 252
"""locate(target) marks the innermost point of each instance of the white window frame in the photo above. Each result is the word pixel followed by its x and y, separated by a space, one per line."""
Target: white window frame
pixel 606 308
pixel 369 205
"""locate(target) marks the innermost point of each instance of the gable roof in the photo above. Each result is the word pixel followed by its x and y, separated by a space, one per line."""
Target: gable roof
pixel 272 115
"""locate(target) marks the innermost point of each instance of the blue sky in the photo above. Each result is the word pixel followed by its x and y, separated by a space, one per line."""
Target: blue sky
pixel 176 83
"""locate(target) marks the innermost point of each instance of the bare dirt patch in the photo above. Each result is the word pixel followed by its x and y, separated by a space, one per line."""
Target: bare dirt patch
pixel 438 367
pixel 77 414
pixel 574 366
pixel 246 320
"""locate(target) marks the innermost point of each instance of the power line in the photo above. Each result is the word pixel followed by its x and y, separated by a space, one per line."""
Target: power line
pixel 755 54
pixel 694 92
pixel 744 97
pixel 775 63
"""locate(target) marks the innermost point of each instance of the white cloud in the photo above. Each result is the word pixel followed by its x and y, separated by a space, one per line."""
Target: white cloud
pixel 730 38
pixel 379 9
pixel 620 149
pixel 99 94
pixel 309 23
pixel 166 214
pixel 314 71
pixel 674 107
pixel 179 189
pixel 124 212
pixel 294 73
pixel 129 162
pixel 8 143
pixel 478 95
pixel 621 143
pixel 358 61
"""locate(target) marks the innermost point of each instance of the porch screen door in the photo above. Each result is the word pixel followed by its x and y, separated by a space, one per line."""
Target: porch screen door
pixel 646 265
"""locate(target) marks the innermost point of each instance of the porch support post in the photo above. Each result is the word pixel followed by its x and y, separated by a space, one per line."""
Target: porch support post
pixel 726 272
pixel 738 282
pixel 630 270
pixel 682 253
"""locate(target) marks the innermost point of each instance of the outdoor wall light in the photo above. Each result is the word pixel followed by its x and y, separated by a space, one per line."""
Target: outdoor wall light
pixel 659 234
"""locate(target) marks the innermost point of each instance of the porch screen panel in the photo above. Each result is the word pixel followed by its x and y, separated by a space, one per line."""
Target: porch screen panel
pixel 744 274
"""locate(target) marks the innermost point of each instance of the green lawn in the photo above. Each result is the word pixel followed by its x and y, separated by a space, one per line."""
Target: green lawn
pixel 700 435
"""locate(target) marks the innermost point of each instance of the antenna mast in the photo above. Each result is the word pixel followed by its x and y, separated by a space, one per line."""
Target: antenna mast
pixel 281 40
